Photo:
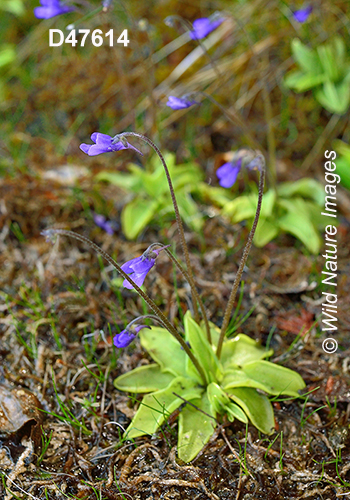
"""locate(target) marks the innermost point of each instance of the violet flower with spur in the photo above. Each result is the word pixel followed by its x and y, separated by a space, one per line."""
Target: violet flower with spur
pixel 125 337
pixel 104 144
pixel 139 267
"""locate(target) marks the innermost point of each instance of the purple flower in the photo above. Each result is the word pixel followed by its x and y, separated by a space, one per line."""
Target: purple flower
pixel 139 267
pixel 228 172
pixel 51 8
pixel 109 226
pixel 106 4
pixel 203 26
pixel 125 337
pixel 302 15
pixel 180 102
pixel 104 144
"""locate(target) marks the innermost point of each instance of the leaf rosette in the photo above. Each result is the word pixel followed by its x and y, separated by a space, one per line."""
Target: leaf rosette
pixel 237 385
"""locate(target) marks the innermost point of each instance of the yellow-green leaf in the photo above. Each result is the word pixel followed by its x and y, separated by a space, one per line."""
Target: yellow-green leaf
pixel 146 378
pixel 195 428
pixel 164 350
pixel 256 406
pixel 156 407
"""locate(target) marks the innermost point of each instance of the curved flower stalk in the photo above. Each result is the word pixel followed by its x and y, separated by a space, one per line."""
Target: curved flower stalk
pixel 121 138
pixel 49 233
pixel 126 336
pixel 105 144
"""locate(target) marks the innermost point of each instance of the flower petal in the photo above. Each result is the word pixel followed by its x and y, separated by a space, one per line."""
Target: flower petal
pixel 203 26
pixel 51 8
pixel 123 339
pixel 143 266
pixel 104 144
pixel 128 266
pixel 179 102
pixel 302 15
pixel 137 278
pixel 228 172
pixel 85 148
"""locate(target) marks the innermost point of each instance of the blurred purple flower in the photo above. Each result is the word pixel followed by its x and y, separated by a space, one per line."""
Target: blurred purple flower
pixel 109 226
pixel 104 144
pixel 125 337
pixel 203 26
pixel 51 8
pixel 302 15
pixel 227 173
pixel 256 163
pixel 180 102
pixel 106 4
pixel 139 267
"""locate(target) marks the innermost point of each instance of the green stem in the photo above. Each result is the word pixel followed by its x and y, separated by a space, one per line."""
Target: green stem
pixel 177 214
pixel 246 251
pixel 163 319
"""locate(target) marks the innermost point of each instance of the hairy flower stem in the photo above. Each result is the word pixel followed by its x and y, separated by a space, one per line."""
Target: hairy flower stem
pixel 145 316
pixel 246 251
pixel 177 214
pixel 271 142
pixel 162 318
pixel 201 305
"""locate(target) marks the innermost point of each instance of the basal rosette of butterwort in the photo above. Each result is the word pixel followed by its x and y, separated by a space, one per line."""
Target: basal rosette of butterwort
pixel 180 102
pixel 51 8
pixel 139 267
pixel 125 337
pixel 104 144
pixel 203 26
pixel 303 14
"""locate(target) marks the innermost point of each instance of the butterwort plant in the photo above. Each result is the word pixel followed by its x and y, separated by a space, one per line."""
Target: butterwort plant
pixel 214 375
